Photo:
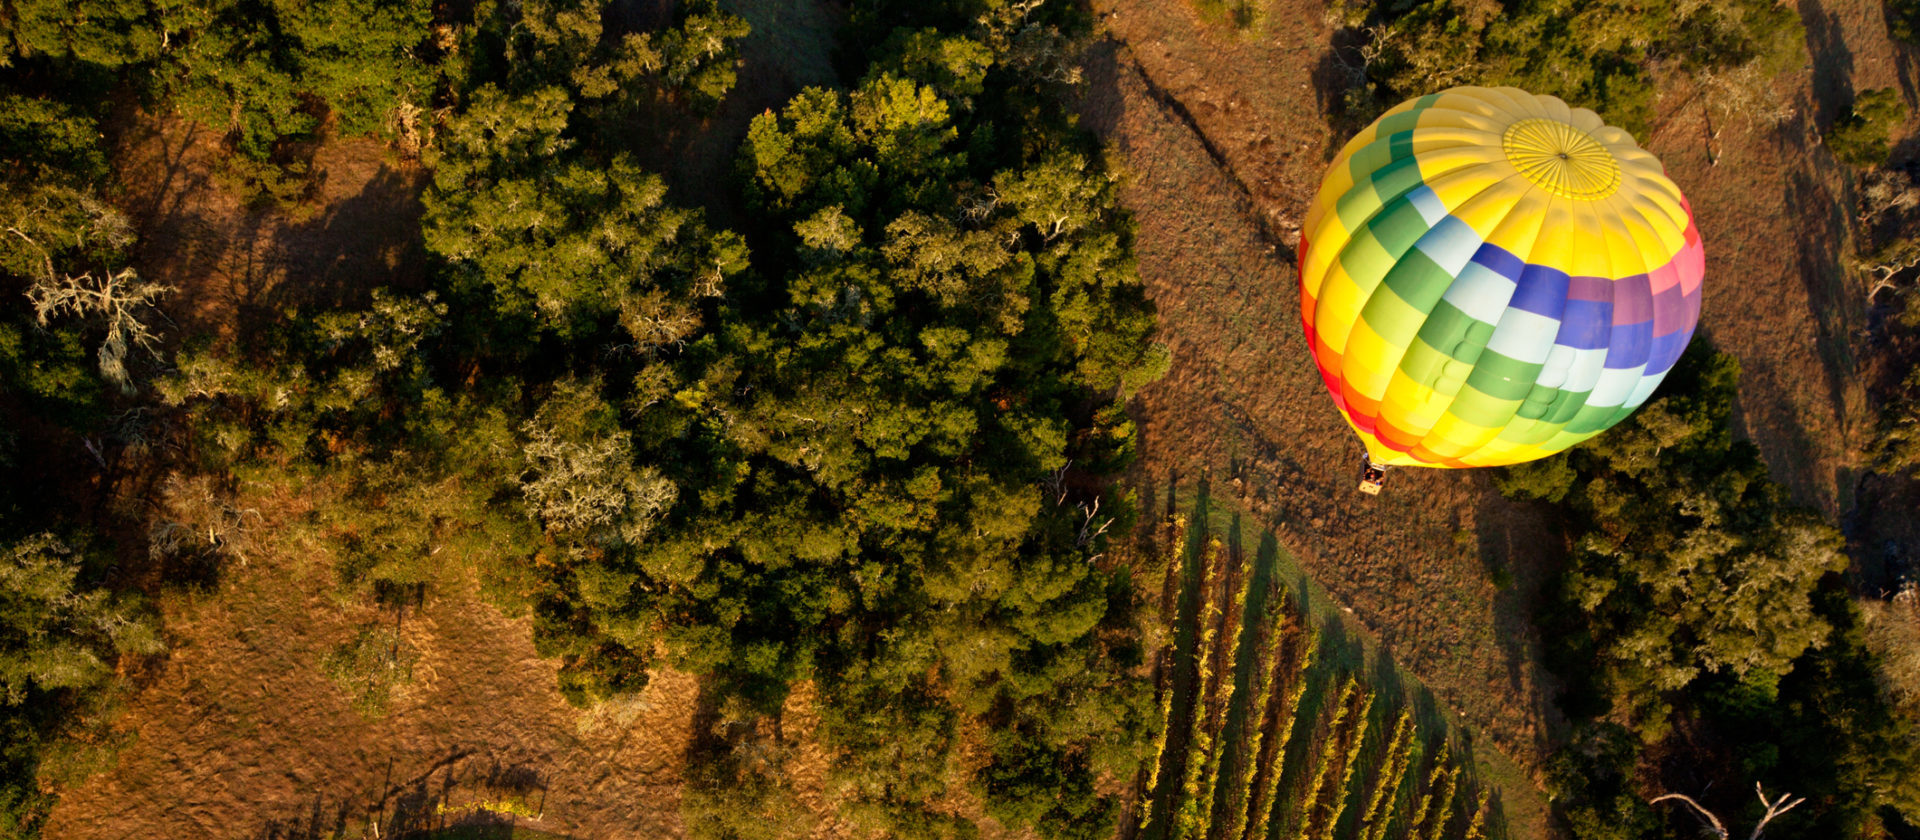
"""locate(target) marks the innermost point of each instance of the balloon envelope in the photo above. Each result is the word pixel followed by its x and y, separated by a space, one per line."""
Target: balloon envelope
pixel 1489 277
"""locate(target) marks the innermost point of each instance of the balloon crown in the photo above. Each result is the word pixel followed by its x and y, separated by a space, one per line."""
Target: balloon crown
pixel 1561 159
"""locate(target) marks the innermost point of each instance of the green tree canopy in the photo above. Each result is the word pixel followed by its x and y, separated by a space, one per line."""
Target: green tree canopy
pixel 1688 560
pixel 60 642
pixel 862 441
pixel 1859 137
pixel 1593 54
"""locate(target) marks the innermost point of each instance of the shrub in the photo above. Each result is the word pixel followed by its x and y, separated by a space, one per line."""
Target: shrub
pixel 1860 137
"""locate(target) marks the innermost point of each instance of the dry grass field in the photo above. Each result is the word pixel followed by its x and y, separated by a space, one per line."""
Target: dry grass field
pixel 241 734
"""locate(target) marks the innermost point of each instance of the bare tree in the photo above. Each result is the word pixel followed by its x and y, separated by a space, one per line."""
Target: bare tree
pixel 1883 266
pixel 657 321
pixel 196 518
pixel 1738 95
pixel 1089 533
pixel 1056 483
pixel 1777 806
pixel 115 299
pixel 1886 200
pixel 1885 192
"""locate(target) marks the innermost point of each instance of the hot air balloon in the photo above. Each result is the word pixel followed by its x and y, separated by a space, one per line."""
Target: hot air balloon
pixel 1489 277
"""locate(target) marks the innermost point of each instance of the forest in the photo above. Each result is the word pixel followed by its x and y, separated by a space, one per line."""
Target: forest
pixel 810 450
pixel 858 438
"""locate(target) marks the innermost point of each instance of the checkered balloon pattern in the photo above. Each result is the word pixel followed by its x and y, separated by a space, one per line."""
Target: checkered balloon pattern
pixel 1489 277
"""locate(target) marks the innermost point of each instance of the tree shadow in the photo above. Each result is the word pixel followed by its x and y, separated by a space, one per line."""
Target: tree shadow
pixel 785 51
pixel 165 200
pixel 1100 104
pixel 451 798
pixel 369 240
pixel 1832 62
pixel 1821 226
pixel 317 822
pixel 1837 311
pixel 1339 82
pixel 1767 416
pixel 708 733
pixel 1907 72
pixel 623 16
pixel 238 268
pixel 1523 551
pixel 1183 668
pixel 1883 535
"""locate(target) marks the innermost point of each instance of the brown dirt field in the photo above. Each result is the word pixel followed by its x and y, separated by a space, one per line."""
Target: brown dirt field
pixel 242 735
pixel 1779 217
pixel 229 261
pixel 1850 53
pixel 1776 216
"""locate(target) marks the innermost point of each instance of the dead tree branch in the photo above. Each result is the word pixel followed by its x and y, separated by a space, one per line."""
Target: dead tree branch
pixel 1775 807
pixel 116 300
